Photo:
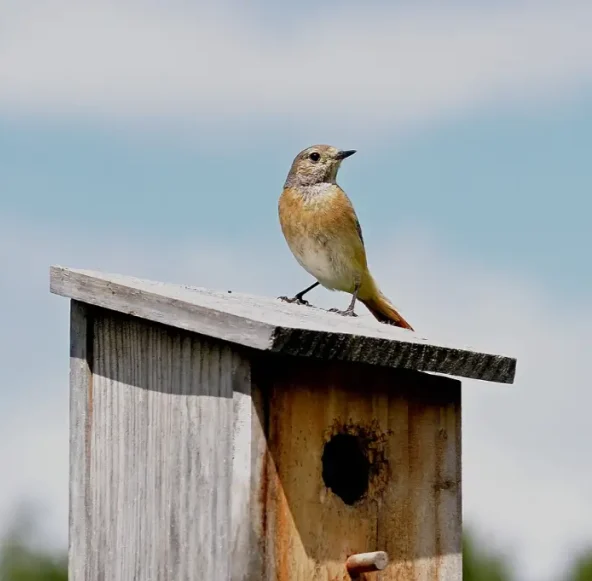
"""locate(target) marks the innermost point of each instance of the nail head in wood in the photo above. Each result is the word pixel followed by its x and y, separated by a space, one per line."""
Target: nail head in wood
pixel 366 563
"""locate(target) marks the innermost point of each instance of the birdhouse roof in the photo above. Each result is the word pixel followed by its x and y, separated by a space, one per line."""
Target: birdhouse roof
pixel 269 324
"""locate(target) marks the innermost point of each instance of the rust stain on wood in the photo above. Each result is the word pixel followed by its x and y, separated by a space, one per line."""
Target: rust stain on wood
pixel 263 502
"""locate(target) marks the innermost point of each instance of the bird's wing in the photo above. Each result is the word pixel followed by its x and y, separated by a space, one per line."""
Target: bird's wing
pixel 350 213
pixel 359 229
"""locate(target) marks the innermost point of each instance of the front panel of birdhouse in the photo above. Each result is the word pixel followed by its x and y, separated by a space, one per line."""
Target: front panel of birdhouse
pixel 358 459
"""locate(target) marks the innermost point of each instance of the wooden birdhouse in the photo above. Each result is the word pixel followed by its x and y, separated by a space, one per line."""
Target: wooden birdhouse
pixel 238 438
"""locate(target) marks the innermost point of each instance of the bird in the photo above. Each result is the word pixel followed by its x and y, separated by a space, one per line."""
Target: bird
pixel 323 233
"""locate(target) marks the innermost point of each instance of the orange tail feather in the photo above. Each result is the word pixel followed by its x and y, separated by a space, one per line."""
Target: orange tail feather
pixel 383 311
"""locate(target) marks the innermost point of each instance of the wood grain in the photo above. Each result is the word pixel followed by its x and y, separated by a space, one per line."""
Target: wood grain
pixel 151 450
pixel 271 325
pixel 81 391
pixel 410 424
pixel 249 453
pixel 193 458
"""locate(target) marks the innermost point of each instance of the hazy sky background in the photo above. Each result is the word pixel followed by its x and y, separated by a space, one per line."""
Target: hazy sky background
pixel 153 138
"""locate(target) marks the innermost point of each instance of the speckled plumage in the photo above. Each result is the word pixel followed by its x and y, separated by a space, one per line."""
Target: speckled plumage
pixel 322 230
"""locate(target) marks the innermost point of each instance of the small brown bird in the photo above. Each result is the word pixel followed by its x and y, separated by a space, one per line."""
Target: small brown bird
pixel 323 232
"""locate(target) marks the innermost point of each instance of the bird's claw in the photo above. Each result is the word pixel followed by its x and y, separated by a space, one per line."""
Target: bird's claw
pixel 346 313
pixel 295 300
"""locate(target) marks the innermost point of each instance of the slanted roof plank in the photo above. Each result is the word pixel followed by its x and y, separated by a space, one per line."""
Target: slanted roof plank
pixel 269 324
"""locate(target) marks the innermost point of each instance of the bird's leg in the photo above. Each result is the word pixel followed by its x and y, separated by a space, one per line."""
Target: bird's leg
pixel 349 312
pixel 298 298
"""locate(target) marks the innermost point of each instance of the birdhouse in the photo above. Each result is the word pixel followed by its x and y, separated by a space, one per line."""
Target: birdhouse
pixel 238 438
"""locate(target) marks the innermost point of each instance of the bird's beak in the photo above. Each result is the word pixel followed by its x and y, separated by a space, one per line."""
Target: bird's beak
pixel 345 153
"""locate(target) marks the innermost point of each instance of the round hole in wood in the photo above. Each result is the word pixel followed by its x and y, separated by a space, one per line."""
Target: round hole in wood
pixel 346 469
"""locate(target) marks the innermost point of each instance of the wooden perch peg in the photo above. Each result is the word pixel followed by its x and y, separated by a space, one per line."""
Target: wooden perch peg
pixel 366 563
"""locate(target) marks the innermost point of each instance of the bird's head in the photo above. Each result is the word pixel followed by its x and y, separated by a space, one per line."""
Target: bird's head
pixel 316 165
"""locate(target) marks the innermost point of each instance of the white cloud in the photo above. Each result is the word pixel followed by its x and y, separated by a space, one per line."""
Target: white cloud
pixel 365 65
pixel 524 476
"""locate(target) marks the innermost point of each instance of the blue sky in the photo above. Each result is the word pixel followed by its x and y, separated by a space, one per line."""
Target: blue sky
pixel 504 186
pixel 153 139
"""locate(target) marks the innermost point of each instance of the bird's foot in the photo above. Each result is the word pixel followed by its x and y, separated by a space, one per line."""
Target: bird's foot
pixel 296 300
pixel 346 313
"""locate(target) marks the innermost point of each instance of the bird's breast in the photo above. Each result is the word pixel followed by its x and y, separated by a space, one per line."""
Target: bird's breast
pixel 326 259
pixel 323 238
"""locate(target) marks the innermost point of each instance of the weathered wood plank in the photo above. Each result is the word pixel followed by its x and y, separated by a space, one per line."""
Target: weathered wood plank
pixel 81 400
pixel 249 453
pixel 271 325
pixel 152 454
pixel 408 428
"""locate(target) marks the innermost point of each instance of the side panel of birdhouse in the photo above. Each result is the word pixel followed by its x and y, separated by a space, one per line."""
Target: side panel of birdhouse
pixel 151 448
pixel 359 459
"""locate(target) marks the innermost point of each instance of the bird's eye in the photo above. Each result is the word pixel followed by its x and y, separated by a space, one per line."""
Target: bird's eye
pixel 315 156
